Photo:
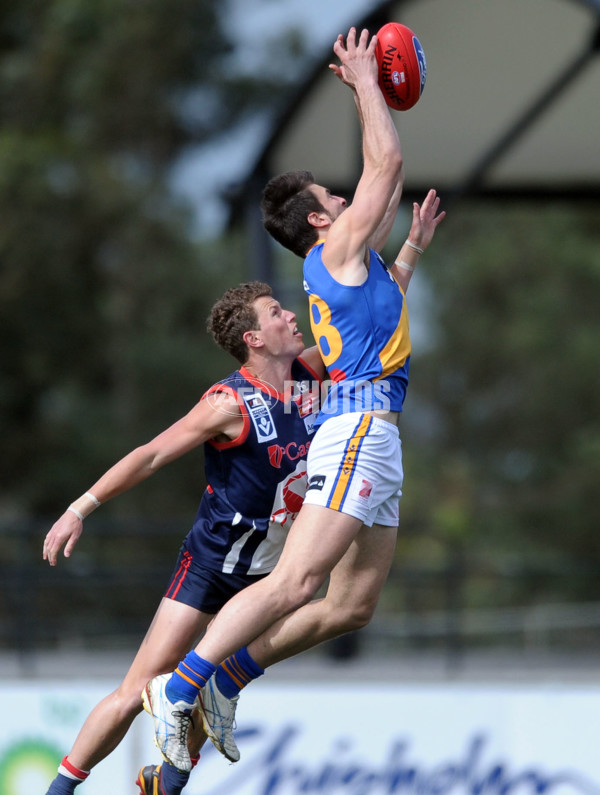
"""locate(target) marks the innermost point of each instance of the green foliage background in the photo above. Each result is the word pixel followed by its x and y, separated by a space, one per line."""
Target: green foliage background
pixel 104 291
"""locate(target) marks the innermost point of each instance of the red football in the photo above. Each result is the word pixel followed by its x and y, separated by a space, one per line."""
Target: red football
pixel 402 65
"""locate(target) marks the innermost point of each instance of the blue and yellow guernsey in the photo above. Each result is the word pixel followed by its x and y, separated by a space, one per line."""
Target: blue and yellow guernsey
pixel 362 333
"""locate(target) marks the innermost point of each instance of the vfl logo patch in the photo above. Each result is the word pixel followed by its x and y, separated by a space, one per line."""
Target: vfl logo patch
pixel 260 415
pixel 316 482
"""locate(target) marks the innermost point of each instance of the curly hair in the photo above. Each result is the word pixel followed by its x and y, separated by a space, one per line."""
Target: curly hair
pixel 233 315
pixel 286 204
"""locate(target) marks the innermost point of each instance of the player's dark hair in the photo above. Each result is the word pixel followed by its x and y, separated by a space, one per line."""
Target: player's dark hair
pixel 233 315
pixel 286 204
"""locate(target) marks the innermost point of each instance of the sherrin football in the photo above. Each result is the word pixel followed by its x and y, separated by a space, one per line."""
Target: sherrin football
pixel 402 65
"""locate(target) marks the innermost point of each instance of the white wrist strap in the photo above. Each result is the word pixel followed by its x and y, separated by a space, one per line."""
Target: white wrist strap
pixel 416 248
pixel 84 506
pixel 405 266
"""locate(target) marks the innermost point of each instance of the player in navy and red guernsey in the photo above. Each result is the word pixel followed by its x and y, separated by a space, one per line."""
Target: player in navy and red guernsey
pixel 348 523
pixel 257 480
pixel 256 426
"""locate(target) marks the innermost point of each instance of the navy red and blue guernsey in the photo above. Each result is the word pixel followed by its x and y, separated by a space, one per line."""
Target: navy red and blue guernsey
pixel 363 336
pixel 257 482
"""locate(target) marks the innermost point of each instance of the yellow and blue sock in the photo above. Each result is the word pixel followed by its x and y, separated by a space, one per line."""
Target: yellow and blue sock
pixel 236 672
pixel 192 673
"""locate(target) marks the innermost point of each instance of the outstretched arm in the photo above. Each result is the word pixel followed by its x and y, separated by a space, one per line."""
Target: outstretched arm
pixel 344 252
pixel 425 221
pixel 379 238
pixel 211 417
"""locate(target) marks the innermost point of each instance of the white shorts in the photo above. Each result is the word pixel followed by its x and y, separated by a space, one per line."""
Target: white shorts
pixel 354 465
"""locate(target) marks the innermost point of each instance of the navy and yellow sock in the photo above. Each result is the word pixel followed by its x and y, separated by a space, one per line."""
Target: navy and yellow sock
pixel 192 673
pixel 236 672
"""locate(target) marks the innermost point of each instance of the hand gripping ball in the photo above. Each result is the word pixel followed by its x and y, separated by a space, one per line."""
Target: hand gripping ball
pixel 402 66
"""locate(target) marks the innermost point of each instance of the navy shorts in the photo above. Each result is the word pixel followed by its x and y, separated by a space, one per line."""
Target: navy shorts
pixel 202 588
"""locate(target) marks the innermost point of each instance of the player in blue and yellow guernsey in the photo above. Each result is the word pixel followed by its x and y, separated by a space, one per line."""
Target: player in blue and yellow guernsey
pixel 362 333
pixel 348 523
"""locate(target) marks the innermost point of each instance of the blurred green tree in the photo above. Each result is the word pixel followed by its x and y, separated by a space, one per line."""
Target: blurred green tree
pixel 103 291
pixel 502 430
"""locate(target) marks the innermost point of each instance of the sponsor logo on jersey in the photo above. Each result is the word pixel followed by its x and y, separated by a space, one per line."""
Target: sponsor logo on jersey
pixel 309 423
pixel 292 452
pixel 306 395
pixel 316 482
pixel 366 488
pixel 261 417
pixel 289 499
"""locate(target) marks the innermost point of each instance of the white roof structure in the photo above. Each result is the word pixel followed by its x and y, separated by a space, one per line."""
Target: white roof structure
pixel 511 106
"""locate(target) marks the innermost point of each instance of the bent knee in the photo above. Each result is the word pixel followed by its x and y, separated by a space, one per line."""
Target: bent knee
pixel 296 591
pixel 353 617
pixel 359 618
pixel 128 700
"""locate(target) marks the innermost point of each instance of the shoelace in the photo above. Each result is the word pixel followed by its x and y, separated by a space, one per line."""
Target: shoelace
pixel 182 725
pixel 234 702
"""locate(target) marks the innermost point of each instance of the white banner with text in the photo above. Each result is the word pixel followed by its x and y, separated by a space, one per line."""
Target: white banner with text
pixel 347 739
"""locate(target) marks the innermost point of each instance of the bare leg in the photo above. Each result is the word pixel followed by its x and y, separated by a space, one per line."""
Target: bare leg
pixel 352 595
pixel 174 630
pixel 317 541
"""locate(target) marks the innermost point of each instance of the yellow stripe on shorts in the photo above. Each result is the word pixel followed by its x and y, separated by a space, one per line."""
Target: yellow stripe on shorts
pixel 344 475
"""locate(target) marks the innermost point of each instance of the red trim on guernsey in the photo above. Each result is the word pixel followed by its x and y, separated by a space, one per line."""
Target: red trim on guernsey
pixel 337 375
pixel 262 385
pixel 270 390
pixel 179 576
pixel 243 411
